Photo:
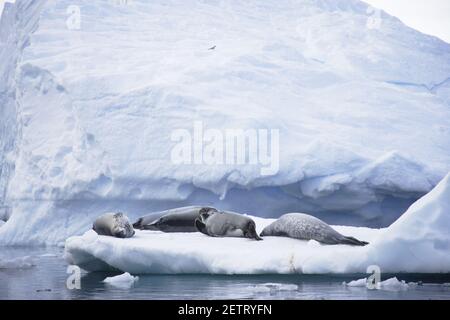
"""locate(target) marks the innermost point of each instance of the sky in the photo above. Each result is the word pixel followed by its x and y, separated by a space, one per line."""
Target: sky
pixel 428 16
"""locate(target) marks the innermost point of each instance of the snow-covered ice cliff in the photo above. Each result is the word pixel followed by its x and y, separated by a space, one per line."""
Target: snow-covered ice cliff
pixel 87 114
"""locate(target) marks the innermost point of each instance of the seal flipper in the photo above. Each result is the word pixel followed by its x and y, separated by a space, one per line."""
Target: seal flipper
pixel 152 226
pixel 256 237
pixel 200 226
pixel 250 231
pixel 353 241
pixel 138 224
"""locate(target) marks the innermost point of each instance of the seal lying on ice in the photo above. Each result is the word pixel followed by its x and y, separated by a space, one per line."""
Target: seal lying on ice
pixel 225 224
pixel 173 220
pixel 114 224
pixel 305 227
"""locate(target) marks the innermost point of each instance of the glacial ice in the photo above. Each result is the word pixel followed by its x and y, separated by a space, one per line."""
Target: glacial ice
pixel 417 242
pixel 273 287
pixel 17 263
pixel 391 284
pixel 87 114
pixel 124 280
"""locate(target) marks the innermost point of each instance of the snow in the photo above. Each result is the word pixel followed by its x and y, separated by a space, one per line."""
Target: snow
pixel 157 252
pixel 418 243
pixel 17 263
pixel 124 280
pixel 420 238
pixel 87 114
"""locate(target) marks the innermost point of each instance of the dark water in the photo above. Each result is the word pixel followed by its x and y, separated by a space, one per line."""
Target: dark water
pixel 47 280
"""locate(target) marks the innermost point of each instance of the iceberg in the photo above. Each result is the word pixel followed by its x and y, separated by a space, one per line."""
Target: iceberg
pixel 273 287
pixel 123 281
pixel 419 242
pixel 391 284
pixel 17 263
pixel 91 94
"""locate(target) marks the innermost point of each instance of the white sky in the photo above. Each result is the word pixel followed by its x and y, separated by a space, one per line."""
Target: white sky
pixel 428 16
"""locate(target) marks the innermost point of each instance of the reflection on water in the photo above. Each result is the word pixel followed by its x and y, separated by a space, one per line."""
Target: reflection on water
pixel 47 280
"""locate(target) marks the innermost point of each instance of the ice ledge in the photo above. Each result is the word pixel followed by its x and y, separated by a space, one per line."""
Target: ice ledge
pixel 156 252
pixel 418 242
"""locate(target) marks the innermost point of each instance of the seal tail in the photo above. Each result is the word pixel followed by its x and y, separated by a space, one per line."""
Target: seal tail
pixel 353 241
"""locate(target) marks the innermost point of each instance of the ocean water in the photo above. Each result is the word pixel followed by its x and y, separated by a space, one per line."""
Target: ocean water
pixel 47 278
